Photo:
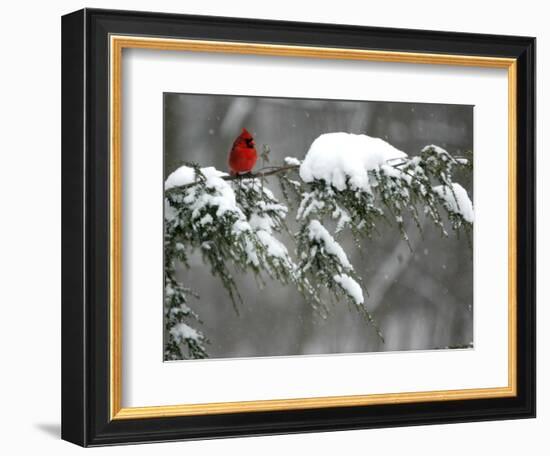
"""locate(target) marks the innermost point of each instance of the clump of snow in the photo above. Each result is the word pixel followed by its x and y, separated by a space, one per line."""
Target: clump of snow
pixel 181 332
pixel 185 175
pixel 181 309
pixel 274 247
pixel 265 221
pixel 456 200
pixel 338 158
pixel 291 161
pixel 240 226
pixel 251 254
pixel 318 232
pixel 182 176
pixel 352 288
pixel 223 197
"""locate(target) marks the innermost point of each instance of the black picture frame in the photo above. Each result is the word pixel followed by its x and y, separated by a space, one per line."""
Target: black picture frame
pixel 85 228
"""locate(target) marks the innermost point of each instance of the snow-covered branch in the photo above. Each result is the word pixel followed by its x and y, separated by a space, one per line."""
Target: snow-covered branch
pixel 264 172
pixel 351 182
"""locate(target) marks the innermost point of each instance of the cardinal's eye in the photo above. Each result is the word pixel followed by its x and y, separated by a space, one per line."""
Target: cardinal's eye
pixel 250 142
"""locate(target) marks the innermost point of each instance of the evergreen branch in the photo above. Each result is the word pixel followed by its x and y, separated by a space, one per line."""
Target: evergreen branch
pixel 271 170
pixel 236 224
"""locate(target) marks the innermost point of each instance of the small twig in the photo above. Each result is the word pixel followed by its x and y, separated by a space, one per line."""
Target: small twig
pixel 406 161
pixel 272 170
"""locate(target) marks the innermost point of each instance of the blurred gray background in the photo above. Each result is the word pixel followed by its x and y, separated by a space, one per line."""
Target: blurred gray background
pixel 421 299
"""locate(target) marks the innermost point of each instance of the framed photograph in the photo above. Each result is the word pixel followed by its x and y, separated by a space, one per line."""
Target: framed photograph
pixel 279 227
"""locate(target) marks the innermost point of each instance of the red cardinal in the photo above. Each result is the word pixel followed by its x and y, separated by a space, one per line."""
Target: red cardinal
pixel 243 155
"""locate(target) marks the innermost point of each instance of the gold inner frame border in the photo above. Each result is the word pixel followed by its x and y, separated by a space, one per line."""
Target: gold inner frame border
pixel 116 46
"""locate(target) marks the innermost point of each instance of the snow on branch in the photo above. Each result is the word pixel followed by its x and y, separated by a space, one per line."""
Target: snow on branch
pixel 343 160
pixel 456 201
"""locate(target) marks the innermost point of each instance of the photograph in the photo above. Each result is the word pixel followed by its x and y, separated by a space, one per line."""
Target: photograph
pixel 316 226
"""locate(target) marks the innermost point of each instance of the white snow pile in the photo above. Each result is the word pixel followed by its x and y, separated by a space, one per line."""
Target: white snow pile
pixel 352 288
pixel 182 176
pixel 275 248
pixel 181 332
pixel 291 161
pixel 223 197
pixel 185 175
pixel 339 157
pixel 456 200
pixel 317 232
